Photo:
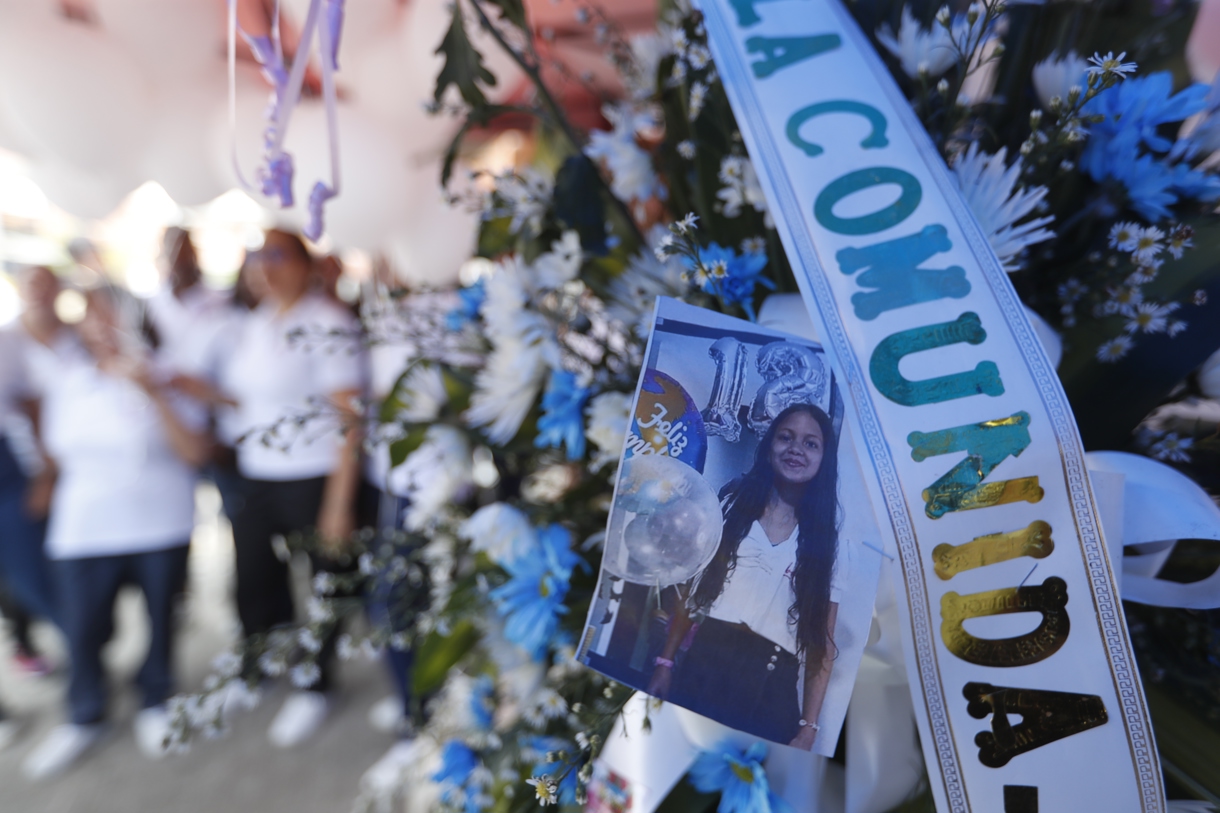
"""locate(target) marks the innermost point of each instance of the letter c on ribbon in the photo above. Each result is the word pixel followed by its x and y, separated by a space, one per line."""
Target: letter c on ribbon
pixel 875 140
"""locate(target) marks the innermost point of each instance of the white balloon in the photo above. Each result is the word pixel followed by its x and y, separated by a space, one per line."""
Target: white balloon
pixel 395 81
pixel 377 189
pixel 172 39
pixel 72 93
pixel 436 238
pixel 179 153
pixel 87 195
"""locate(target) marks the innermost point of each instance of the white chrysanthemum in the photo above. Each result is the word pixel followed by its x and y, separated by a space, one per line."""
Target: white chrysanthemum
pixel 919 49
pixel 633 292
pixel 989 187
pixel 1056 76
pixel 524 350
pixel 433 475
pixel 527 194
pixel 630 166
pixel 609 417
pixel 422 394
pixel 559 265
pixel 501 531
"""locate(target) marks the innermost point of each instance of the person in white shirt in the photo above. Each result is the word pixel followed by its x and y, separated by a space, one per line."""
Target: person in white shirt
pixel 126 447
pixel 186 314
pixel 770 595
pixel 295 377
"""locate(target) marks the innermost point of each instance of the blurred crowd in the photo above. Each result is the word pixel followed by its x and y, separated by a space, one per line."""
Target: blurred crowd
pixel 109 423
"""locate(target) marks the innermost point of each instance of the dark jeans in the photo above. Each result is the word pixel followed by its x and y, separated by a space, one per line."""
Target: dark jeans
pixel 88 589
pixel 24 569
pixel 741 679
pixel 384 601
pixel 264 594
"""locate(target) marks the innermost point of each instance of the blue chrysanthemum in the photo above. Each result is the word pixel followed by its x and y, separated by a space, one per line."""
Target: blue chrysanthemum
pixel 1126 145
pixel 563 422
pixel 730 276
pixel 739 777
pixel 482 702
pixel 458 763
pixel 470 300
pixel 532 600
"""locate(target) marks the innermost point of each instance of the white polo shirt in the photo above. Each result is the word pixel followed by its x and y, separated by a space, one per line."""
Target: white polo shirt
pixel 187 328
pixel 758 592
pixel 282 386
pixel 121 488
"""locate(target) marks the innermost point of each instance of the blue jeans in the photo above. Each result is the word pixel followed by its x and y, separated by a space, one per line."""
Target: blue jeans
pixel 89 588
pixel 382 599
pixel 24 569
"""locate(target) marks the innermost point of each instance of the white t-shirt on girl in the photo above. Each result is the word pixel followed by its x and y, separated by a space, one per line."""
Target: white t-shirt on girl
pixel 283 382
pixel 121 488
pixel 758 592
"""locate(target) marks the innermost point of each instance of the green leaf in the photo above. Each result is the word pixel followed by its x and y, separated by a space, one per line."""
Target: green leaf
pixel 437 655
pixel 463 64
pixel 401 448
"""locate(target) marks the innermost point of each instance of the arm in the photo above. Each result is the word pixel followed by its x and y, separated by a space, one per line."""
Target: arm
pixel 337 516
pixel 42 485
pixel 816 680
pixel 191 447
pixel 679 625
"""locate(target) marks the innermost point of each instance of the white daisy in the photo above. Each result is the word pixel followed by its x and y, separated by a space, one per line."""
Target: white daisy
pixel 544 789
pixel 1110 64
pixel 527 193
pixel 1115 349
pixel 1124 236
pixel 433 475
pixel 630 167
pixel 989 188
pixel 1149 317
pixel 741 187
pixel 559 265
pixel 1147 245
pixel 686 149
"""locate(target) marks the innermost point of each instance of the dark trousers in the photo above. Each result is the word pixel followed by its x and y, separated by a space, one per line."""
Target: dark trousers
pixel 264 594
pixel 88 589
pixel 24 569
pixel 739 678
pixel 384 609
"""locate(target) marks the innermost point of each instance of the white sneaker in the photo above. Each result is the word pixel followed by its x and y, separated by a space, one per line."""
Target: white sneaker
pixel 386 715
pixel 298 719
pixel 152 729
pixel 63 746
pixel 8 732
pixel 384 779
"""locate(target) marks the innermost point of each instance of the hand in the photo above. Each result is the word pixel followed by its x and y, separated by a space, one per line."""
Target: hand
pixel 38 495
pixel 804 738
pixel 335 526
pixel 662 676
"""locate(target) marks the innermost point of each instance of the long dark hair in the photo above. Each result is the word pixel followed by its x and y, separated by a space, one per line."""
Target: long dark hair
pixel 744 501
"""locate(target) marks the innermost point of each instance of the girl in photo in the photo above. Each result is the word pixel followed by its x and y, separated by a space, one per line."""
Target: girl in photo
pixel 761 656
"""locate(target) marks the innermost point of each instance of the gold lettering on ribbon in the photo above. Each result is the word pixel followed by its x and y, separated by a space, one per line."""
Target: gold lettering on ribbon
pixel 1045 717
pixel 1050 599
pixel 1034 541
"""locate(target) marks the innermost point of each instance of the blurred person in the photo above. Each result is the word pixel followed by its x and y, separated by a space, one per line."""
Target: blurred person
pixel 31 350
pixel 186 313
pixel 125 446
pixel 295 375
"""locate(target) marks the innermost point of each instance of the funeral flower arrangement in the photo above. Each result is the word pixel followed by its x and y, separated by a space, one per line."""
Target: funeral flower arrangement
pixel 506 431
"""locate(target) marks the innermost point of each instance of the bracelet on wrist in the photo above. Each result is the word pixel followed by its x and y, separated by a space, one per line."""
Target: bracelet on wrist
pixel 666 662
pixel 806 724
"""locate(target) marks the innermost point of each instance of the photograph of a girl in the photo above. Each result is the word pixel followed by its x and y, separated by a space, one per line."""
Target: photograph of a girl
pixel 742 554
pixel 761 657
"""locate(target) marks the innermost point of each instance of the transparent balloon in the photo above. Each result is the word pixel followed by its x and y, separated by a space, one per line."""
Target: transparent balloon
pixel 665 525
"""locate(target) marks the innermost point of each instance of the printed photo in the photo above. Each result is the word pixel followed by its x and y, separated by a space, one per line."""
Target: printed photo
pixel 741 556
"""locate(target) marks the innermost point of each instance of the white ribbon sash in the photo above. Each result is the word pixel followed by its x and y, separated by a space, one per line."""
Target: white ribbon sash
pixel 1025 688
